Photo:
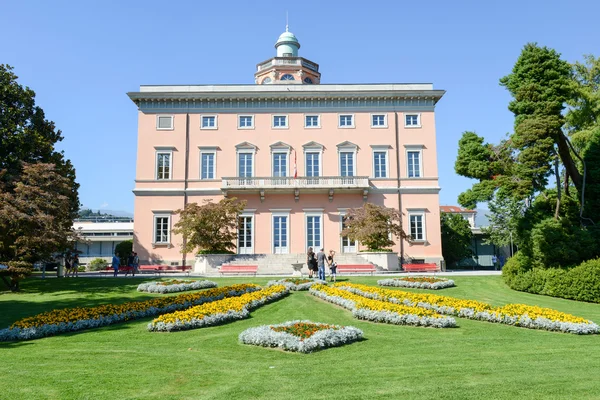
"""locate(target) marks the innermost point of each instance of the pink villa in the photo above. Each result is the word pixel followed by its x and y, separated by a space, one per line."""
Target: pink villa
pixel 301 154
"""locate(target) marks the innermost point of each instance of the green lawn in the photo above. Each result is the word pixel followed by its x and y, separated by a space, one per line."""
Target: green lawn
pixel 477 360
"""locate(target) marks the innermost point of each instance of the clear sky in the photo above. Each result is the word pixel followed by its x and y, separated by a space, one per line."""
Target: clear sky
pixel 81 57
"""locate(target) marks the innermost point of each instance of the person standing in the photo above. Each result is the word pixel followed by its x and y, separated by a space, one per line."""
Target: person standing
pixel 136 263
pixel 115 264
pixel 130 264
pixel 332 265
pixel 75 266
pixel 321 264
pixel 67 264
pixel 310 261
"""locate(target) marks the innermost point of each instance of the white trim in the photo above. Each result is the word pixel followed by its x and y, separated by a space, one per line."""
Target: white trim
pixel 343 212
pixel 347 150
pixel 353 125
pixel 214 153
pixel 380 149
pixel 280 210
pixel 415 150
pixel 159 116
pixel 237 162
pixel 412 126
pixel 281 150
pixel 248 213
pixel 318 121
pixel 245 115
pixel 161 214
pixel 202 116
pixel 423 222
pixel 280 213
pixel 319 152
pixel 314 212
pixel 385 120
pixel 287 121
pixel 170 153
pixel 414 146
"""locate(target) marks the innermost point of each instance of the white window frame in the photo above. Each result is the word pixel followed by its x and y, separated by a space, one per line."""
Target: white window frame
pixel 157 151
pixel 287 159
pixel 347 149
pixel 385 120
pixel 159 116
pixel 213 151
pixel 249 212
pixel 346 126
pixel 237 162
pixel 161 214
pixel 417 149
pixel 380 149
pixel 422 214
pixel 202 116
pixel 319 152
pixel 239 119
pixel 280 213
pixel 343 212
pixel 313 212
pixel 418 125
pixel 287 121
pixel 318 121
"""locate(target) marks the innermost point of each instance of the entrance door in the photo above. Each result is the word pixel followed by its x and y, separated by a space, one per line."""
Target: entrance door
pixel 348 246
pixel 280 234
pixel 313 232
pixel 245 237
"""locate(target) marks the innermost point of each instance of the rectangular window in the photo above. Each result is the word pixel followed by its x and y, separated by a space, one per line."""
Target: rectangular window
pixel 164 122
pixel 380 164
pixel 163 166
pixel 346 163
pixel 279 164
pixel 312 164
pixel 414 164
pixel 412 120
pixel 347 121
pixel 280 121
pixel 208 122
pixel 378 120
pixel 313 231
pixel 207 166
pixel 245 165
pixel 161 229
pixel 417 231
pixel 246 122
pixel 280 234
pixel 311 121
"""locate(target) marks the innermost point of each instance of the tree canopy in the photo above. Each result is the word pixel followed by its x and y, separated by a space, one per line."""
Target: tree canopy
pixel 456 237
pixel 373 226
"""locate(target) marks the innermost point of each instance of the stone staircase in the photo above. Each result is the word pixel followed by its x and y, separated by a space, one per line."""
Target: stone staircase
pixel 281 264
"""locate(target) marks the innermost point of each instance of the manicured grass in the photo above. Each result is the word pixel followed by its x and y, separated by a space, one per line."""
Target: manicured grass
pixel 474 361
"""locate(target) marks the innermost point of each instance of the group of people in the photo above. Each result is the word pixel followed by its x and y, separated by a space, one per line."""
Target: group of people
pixel 133 263
pixel 71 265
pixel 316 264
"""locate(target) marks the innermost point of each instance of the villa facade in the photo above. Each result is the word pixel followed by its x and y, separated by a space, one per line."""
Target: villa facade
pixel 301 154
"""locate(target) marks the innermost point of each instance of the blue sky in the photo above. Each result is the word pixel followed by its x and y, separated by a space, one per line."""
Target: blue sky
pixel 82 57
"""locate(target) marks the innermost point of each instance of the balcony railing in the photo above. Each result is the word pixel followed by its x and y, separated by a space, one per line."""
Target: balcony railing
pixel 288 61
pixel 302 182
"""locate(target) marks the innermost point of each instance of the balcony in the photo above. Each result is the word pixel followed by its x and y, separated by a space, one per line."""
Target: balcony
pixel 315 184
pixel 279 61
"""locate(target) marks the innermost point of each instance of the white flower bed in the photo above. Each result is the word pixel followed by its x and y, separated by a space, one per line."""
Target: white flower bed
pixel 267 337
pixel 217 318
pixel 294 287
pixel 523 321
pixel 156 287
pixel 388 317
pixel 400 282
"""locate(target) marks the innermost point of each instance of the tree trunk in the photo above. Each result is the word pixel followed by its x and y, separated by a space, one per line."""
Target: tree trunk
pixel 12 285
pixel 565 156
pixel 558 194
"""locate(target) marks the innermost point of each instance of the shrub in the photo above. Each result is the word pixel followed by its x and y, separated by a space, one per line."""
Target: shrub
pixel 97 264
pixel 123 250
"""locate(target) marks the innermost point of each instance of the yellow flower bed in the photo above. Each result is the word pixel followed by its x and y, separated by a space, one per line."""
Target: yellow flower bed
pixel 71 315
pixel 534 312
pixel 217 311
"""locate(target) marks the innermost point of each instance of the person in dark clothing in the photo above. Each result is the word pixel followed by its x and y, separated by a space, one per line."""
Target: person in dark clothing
pixel 311 261
pixel 332 265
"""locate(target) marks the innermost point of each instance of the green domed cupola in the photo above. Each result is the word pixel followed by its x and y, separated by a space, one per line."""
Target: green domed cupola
pixel 287 45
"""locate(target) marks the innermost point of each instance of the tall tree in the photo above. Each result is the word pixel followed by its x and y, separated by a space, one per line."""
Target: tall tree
pixel 373 226
pixel 456 237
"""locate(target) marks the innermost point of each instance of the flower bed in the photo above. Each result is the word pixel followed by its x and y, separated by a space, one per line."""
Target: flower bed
pixel 419 282
pixel 525 316
pixel 76 319
pixel 301 336
pixel 174 285
pixel 297 284
pixel 381 311
pixel 217 312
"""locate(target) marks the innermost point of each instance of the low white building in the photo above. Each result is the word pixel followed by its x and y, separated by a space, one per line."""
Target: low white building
pixel 101 236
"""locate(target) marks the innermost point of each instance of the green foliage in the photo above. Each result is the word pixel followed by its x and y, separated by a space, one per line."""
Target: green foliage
pixel 211 227
pixel 372 226
pixel 456 238
pixel 579 283
pixel 97 264
pixel 504 216
pixel 123 250
pixel 16 271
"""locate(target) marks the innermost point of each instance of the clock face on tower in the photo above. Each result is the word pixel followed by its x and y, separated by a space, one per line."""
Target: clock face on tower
pixel 287 77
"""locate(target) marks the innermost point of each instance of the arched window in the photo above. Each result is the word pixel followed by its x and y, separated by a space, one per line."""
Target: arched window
pixel 308 80
pixel 266 80
pixel 287 77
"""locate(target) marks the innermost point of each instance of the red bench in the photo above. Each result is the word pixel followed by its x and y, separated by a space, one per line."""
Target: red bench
pixel 430 267
pixel 109 270
pixel 165 269
pixel 238 269
pixel 356 268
